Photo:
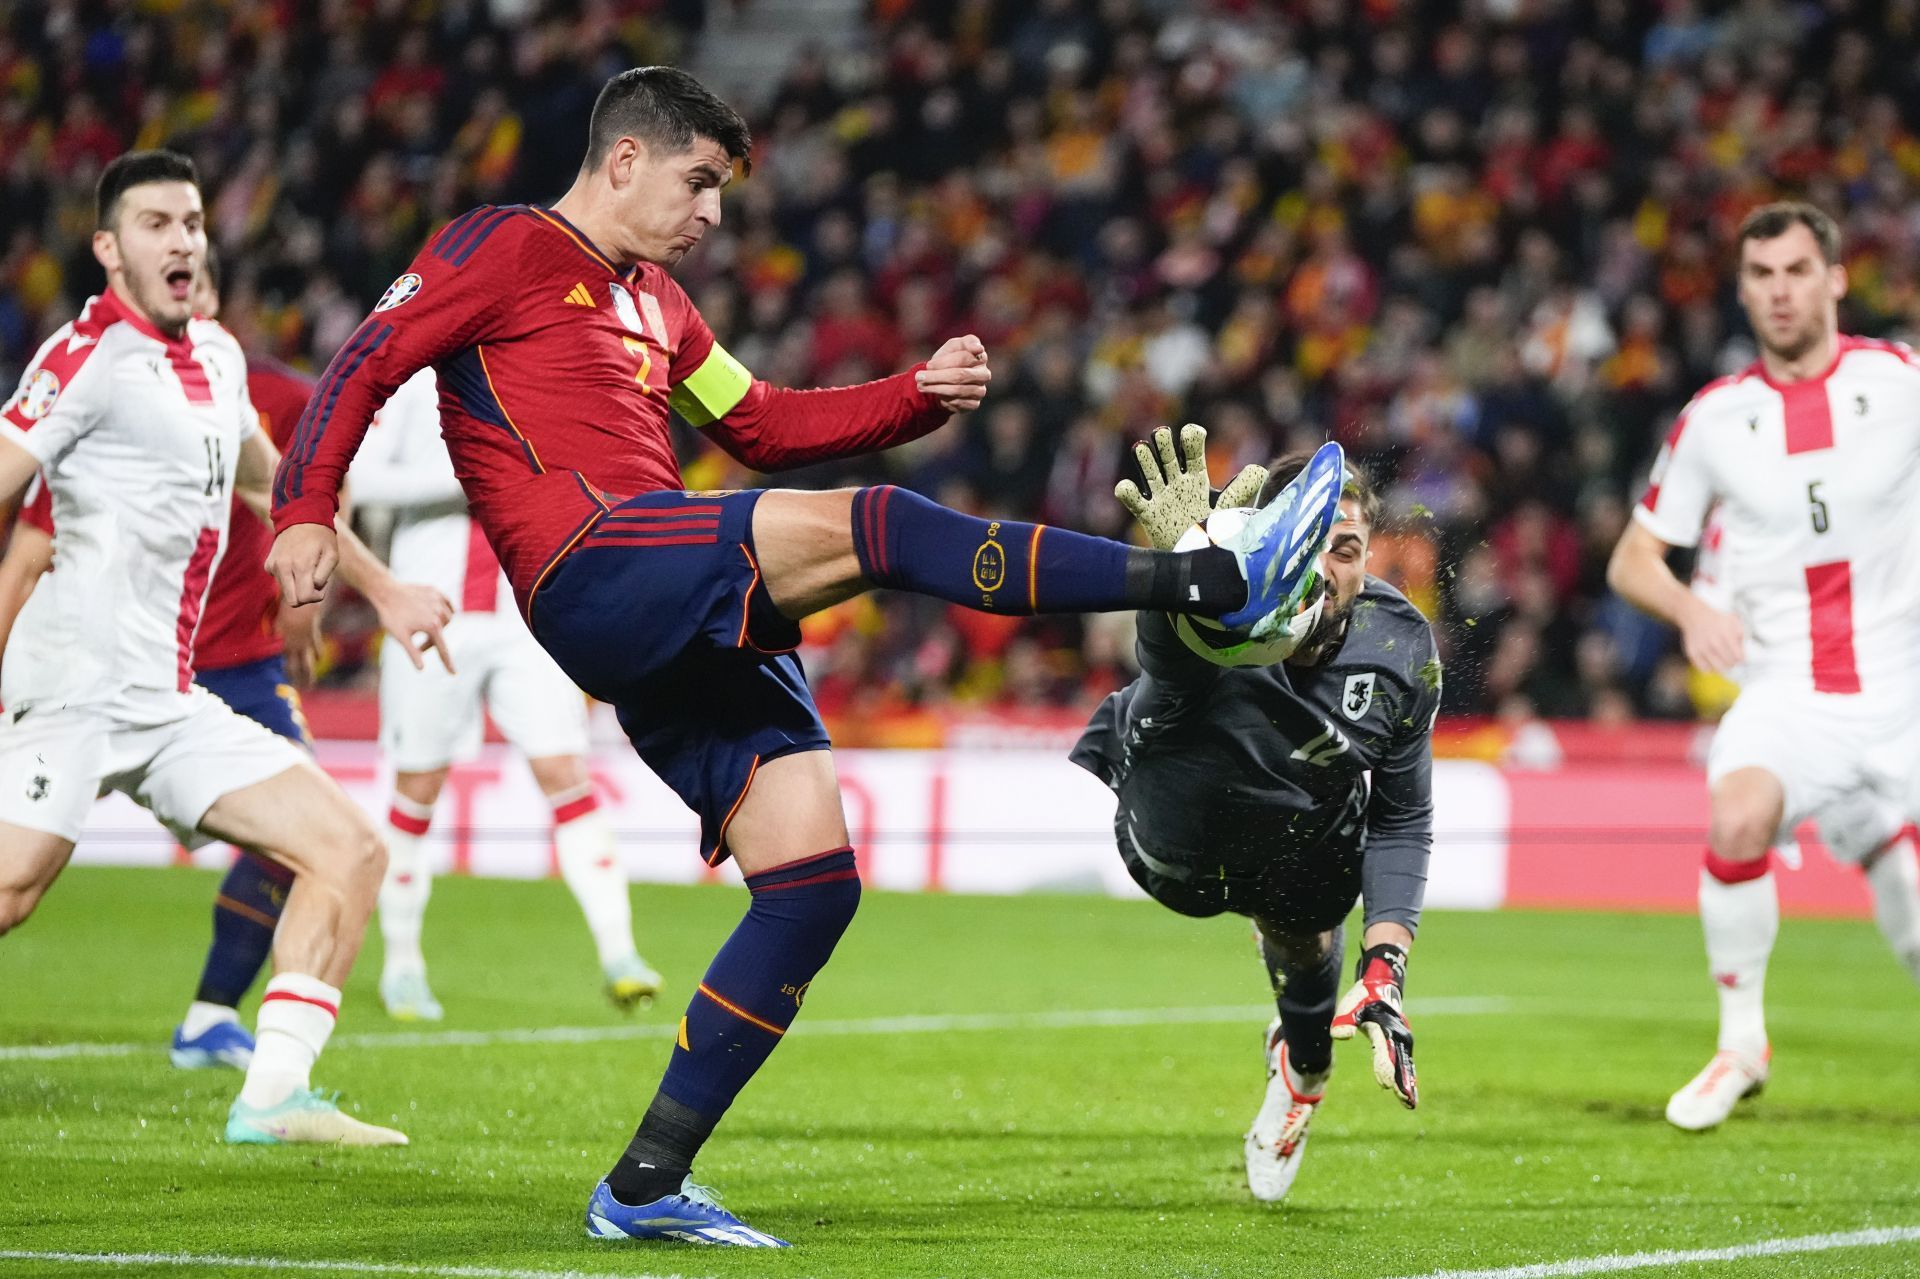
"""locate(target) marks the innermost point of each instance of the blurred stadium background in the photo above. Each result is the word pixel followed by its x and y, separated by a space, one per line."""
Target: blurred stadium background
pixel 1480 244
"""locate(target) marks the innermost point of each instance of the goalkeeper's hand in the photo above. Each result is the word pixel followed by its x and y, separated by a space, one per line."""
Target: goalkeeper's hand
pixel 1178 496
pixel 1373 1004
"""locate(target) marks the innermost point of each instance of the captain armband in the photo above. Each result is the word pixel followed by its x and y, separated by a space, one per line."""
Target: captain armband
pixel 713 390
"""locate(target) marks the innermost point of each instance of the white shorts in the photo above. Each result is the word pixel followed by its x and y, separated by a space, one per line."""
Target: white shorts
pixel 429 719
pixel 1844 760
pixel 174 754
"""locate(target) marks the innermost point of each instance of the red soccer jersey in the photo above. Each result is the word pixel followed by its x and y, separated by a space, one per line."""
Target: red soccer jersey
pixel 241 622
pixel 557 368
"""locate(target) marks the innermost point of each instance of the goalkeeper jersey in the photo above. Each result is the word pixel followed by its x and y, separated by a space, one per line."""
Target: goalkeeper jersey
pixel 1230 767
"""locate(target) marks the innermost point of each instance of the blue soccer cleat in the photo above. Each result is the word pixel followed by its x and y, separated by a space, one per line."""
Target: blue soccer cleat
pixel 1279 546
pixel 692 1216
pixel 224 1043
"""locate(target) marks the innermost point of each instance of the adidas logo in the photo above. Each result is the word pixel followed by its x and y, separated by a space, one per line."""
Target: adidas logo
pixel 580 297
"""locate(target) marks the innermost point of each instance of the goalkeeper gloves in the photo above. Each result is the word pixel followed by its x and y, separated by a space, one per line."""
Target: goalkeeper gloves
pixel 1373 1004
pixel 1178 496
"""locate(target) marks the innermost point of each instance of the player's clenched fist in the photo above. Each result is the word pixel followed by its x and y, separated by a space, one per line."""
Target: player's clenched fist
pixel 957 375
pixel 302 562
pixel 1373 1004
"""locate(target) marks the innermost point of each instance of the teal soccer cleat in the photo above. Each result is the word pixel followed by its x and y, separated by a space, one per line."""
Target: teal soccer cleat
pixel 310 1117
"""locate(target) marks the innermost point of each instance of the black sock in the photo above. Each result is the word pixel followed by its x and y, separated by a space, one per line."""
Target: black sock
pixel 1206 582
pixel 1308 992
pixel 661 1152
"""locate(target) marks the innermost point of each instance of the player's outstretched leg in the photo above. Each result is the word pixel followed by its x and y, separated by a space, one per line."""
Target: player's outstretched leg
pixel 245 912
pixel 1298 1046
pixel 749 997
pixel 403 899
pixel 303 820
pixel 590 865
pixel 1893 873
pixel 817 549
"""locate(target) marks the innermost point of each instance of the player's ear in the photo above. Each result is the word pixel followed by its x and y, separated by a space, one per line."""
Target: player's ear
pixel 1837 281
pixel 106 250
pixel 624 157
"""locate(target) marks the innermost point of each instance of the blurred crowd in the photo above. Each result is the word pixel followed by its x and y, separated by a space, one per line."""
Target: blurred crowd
pixel 1483 244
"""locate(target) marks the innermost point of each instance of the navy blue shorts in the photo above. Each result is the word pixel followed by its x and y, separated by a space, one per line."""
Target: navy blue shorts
pixel 260 691
pixel 660 612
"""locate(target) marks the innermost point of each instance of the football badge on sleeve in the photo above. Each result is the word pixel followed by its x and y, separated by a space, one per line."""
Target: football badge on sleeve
pixel 399 291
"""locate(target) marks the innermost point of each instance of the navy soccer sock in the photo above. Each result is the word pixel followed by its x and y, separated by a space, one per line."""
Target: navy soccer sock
pixel 1003 566
pixel 1308 993
pixel 747 1000
pixel 245 912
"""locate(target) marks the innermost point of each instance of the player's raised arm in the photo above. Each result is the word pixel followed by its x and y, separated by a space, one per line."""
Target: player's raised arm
pixel 773 428
pixel 447 301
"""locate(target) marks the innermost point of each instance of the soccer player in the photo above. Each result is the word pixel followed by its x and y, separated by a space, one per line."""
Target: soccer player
pixel 251 653
pixel 561 342
pixel 1812 454
pixel 1245 789
pixel 428 718
pixel 137 414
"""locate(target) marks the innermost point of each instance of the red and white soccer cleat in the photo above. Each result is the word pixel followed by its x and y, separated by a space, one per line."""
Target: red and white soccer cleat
pixel 1711 1095
pixel 1278 1139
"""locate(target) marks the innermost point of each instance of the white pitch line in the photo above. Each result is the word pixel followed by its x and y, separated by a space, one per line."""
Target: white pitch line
pixel 123 1259
pixel 1673 1257
pixel 927 1024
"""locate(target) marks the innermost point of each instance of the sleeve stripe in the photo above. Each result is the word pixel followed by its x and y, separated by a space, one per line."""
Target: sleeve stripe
pixel 313 422
pixel 454 229
pixel 286 481
pixel 459 257
pixel 713 390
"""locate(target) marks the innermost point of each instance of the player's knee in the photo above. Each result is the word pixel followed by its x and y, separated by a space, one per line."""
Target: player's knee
pixel 1739 833
pixel 15 905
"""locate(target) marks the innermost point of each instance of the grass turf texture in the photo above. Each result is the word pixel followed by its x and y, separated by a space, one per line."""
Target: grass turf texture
pixel 1034 1151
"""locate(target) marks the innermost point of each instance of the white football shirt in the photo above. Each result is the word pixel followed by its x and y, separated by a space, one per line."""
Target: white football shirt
pixel 1815 484
pixel 136 434
pixel 404 465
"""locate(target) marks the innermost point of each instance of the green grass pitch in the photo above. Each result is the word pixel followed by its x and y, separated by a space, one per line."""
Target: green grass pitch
pixel 1030 1140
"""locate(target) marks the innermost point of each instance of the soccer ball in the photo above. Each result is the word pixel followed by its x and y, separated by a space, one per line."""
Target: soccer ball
pixel 1224 646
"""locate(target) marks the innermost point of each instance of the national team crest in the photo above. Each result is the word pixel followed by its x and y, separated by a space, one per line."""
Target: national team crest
pixel 629 314
pixel 1357 698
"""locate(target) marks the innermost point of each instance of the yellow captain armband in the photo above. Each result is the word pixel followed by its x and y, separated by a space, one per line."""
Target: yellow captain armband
pixel 711 391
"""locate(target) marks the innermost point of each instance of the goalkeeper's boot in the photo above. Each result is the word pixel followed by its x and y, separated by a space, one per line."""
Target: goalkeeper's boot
pixel 308 1116
pixel 631 983
pixel 1711 1095
pixel 408 997
pixel 1278 1139
pixel 692 1216
pixel 225 1043
pixel 1279 546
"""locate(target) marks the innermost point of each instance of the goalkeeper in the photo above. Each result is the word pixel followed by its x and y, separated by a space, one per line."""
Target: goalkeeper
pixel 1245 788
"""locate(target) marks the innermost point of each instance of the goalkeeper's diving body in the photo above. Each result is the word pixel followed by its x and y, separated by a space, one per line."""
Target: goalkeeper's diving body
pixel 1283 792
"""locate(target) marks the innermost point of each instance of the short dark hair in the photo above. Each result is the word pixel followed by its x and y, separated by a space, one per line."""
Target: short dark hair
pixel 1771 221
pixel 136 168
pixel 1358 487
pixel 667 109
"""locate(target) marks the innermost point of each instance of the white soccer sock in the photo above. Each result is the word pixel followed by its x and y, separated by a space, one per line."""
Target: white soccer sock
pixel 297 1014
pixel 590 865
pixel 1894 876
pixel 409 882
pixel 203 1016
pixel 1740 914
